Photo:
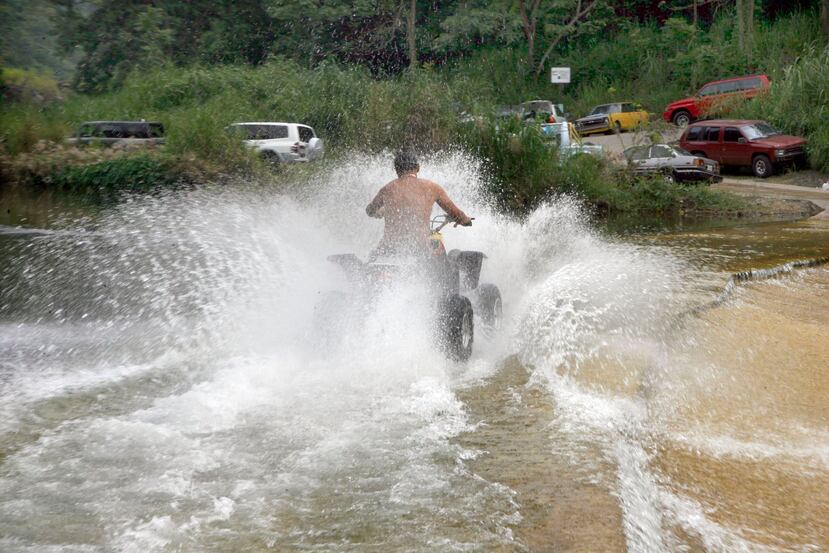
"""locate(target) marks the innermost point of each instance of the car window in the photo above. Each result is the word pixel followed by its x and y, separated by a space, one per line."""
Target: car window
pixel 732 134
pixel 264 132
pixel 731 86
pixel 661 150
pixel 694 134
pixel 305 134
pixel 750 84
pixel 637 153
pixel 111 131
pixel 709 89
pixel 628 108
pixel 712 134
pixel 87 131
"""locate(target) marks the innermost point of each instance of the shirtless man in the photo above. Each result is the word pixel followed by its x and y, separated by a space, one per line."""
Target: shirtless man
pixel 406 206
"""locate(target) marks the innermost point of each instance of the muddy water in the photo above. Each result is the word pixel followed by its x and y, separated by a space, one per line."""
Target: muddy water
pixel 721 438
pixel 162 392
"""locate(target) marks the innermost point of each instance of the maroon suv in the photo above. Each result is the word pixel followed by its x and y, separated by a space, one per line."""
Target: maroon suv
pixel 739 143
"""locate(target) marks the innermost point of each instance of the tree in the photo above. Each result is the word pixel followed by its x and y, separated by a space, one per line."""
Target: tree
pixel 118 36
pixel 366 32
pixel 745 25
pixel 538 23
pixel 411 38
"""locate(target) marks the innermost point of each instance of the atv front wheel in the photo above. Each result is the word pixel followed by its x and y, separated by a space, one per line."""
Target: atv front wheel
pixel 457 327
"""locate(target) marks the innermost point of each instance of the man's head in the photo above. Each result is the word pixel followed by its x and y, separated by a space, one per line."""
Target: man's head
pixel 405 161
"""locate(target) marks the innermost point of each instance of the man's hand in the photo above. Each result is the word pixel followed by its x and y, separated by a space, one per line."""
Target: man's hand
pixel 465 223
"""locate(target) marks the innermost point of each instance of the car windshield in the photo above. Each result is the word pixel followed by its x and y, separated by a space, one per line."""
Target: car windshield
pixel 681 151
pixel 756 131
pixel 599 110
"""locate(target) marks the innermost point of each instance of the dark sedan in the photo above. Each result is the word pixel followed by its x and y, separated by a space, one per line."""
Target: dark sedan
pixel 676 164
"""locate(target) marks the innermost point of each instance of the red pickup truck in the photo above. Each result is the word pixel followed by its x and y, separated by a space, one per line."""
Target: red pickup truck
pixel 714 96
pixel 741 143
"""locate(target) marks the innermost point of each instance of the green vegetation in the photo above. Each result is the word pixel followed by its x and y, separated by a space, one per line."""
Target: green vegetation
pixel 799 103
pixel 522 172
pixel 252 60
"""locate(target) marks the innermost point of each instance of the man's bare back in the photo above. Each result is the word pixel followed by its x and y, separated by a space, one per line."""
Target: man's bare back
pixel 406 206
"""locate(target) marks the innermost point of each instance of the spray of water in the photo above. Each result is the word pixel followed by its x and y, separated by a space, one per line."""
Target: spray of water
pixel 162 386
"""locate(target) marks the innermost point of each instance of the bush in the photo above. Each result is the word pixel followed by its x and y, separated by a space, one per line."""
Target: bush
pixel 131 172
pixel 798 103
pixel 27 85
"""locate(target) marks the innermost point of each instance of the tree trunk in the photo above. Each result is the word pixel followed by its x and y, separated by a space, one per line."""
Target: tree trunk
pixel 410 33
pixel 824 16
pixel 528 26
pixel 740 26
pixel 696 15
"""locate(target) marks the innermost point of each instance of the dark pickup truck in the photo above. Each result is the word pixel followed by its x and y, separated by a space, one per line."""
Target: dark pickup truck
pixel 742 143
pixel 120 133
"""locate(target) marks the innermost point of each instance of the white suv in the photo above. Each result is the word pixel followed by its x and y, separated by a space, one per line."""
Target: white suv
pixel 281 142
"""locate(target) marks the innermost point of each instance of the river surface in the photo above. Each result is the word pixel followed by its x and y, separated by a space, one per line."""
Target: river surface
pixel 162 389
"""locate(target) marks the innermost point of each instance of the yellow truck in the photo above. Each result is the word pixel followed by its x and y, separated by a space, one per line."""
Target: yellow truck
pixel 619 116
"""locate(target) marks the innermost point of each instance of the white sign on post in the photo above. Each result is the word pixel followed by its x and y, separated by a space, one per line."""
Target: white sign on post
pixel 560 75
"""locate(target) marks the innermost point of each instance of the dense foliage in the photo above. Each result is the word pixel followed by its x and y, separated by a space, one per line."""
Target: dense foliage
pixel 199 65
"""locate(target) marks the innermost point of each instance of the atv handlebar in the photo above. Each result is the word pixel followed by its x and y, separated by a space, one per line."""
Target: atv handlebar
pixel 440 221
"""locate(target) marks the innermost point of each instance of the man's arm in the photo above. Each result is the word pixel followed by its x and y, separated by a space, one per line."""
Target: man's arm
pixel 449 207
pixel 375 208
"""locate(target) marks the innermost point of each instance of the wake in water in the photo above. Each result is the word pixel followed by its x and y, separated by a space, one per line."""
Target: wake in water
pixel 162 389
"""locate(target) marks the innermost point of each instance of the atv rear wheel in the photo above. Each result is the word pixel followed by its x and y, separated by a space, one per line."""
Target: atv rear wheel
pixel 457 327
pixel 489 307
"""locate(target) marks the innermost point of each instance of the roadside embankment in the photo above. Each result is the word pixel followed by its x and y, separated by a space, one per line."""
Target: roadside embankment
pixel 772 192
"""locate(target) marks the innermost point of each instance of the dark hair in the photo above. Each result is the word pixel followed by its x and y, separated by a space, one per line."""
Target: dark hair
pixel 405 160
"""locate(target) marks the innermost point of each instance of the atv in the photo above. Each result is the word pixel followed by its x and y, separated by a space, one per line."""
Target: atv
pixel 453 279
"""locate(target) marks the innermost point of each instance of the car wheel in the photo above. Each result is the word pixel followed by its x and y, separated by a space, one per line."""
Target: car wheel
pixel 271 159
pixel 762 167
pixel 618 127
pixel 670 178
pixel 682 119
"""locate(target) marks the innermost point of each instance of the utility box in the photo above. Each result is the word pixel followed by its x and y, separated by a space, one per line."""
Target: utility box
pixel 559 75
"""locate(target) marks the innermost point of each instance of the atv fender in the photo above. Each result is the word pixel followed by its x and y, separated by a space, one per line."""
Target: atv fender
pixel 469 265
pixel 350 263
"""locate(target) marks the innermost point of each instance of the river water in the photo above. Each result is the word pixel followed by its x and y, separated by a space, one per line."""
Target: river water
pixel 161 388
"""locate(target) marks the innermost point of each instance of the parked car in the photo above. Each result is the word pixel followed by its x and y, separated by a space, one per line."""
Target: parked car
pixel 281 142
pixel 118 133
pixel 544 110
pixel 568 141
pixel 740 143
pixel 714 96
pixel 676 164
pixel 619 116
